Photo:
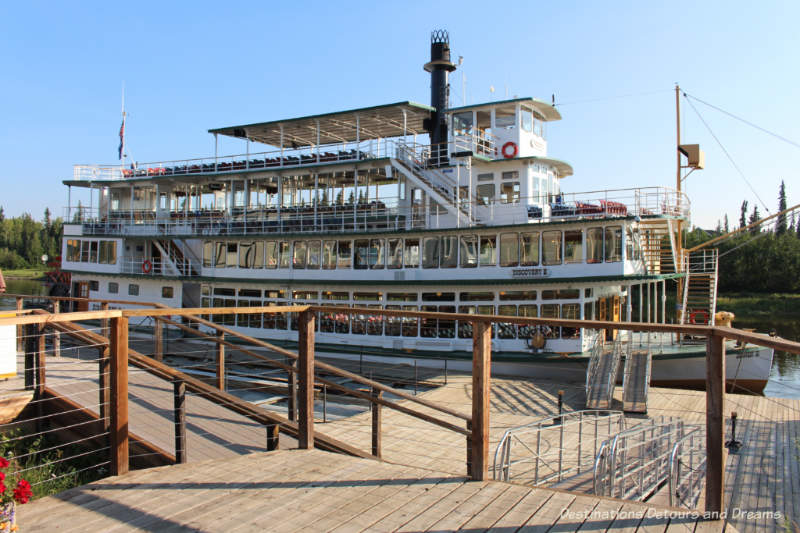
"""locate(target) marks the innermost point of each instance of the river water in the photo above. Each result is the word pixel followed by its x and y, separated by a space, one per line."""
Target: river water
pixel 784 381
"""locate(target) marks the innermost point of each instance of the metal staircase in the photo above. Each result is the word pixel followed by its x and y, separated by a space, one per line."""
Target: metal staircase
pixel 700 287
pixel 658 240
pixel 177 259
pixel 601 375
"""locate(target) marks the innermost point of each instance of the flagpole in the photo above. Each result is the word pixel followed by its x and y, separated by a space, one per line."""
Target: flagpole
pixel 124 155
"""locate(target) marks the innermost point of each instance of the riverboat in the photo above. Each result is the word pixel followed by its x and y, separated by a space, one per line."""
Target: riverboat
pixel 411 207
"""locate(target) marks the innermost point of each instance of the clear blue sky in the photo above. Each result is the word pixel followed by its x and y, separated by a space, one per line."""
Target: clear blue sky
pixel 191 66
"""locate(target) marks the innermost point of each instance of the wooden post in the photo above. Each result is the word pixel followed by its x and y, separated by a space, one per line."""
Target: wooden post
pixel 56 333
pixel 29 345
pixel 305 405
pixel 20 329
pixel 220 361
pixel 273 436
pixel 715 424
pixel 478 468
pixel 39 367
pixel 179 402
pixel 105 330
pixel 158 339
pixel 291 392
pixel 118 431
pixel 376 424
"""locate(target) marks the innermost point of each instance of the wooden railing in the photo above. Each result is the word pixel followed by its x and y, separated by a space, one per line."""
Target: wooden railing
pixel 477 423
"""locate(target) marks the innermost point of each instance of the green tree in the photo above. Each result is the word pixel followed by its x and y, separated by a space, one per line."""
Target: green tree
pixel 754 217
pixel 781 226
pixel 743 215
pixel 726 226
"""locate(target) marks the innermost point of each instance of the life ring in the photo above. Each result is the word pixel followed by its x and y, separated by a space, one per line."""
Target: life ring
pixel 699 317
pixel 147 266
pixel 513 152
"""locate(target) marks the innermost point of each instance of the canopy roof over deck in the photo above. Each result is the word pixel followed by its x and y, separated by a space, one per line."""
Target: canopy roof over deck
pixel 545 111
pixel 377 122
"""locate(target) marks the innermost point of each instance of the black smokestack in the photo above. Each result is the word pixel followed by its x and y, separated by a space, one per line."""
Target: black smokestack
pixel 439 67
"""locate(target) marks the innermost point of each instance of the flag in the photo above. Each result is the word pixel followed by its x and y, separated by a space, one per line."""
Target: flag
pixel 122 136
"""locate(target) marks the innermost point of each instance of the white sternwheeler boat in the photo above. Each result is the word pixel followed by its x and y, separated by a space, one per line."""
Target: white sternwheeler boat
pixel 405 206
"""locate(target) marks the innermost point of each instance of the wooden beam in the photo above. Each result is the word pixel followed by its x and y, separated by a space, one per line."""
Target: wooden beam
pixel 179 402
pixel 715 424
pixel 478 468
pixel 118 431
pixel 376 424
pixel 220 359
pixel 305 407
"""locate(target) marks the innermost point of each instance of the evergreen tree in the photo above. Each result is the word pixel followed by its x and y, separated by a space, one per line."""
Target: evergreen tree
pixel 726 226
pixel 2 214
pixel 754 217
pixel 718 229
pixel 743 215
pixel 791 224
pixel 780 226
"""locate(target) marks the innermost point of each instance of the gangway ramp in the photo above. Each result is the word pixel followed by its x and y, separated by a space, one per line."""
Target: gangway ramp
pixel 636 381
pixel 601 376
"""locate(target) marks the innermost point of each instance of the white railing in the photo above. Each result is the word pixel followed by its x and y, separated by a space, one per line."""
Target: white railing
pixel 554 448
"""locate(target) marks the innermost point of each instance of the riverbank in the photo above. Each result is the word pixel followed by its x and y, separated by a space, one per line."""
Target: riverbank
pixel 24 273
pixel 759 306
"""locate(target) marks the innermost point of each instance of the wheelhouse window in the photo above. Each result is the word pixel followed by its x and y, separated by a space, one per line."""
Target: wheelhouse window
pixel 526 120
pixel 551 247
pixel 594 245
pixel 613 245
pixel 573 246
pixel 509 249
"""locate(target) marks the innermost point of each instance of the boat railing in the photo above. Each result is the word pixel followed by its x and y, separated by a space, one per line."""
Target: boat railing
pixel 554 448
pixel 687 467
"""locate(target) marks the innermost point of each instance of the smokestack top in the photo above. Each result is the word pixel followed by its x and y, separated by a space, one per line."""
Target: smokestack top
pixel 440 36
pixel 440 52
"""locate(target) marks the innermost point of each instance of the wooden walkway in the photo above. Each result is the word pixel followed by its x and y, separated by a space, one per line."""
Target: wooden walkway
pixel 319 491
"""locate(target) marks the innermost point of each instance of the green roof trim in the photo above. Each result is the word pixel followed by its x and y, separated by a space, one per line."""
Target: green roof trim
pixel 547 110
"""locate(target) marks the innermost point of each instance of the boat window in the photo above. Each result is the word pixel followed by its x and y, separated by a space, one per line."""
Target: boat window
pixel 428 327
pixel 250 293
pixel 394 253
pixel 361 248
pixel 101 256
pixel 449 252
pixel 489 176
pixel 113 287
pixel 258 261
pixel 344 257
pixel 506 330
pixel 410 324
pixel 469 251
pixel 375 322
pixel 464 326
pixel 447 327
pixel 285 253
pixel 509 249
pixel 488 250
pixel 219 260
pixel 613 246
pixel 358 323
pixel 594 245
pixel 529 249
pixel 503 119
pixel 304 295
pixel 224 291
pixel 485 193
pixel 462 123
pixel 573 246
pixel 588 310
pixel 84 251
pixel 528 311
pixel 551 247
pixel 330 295
pixel 232 254
pixel 271 254
pixel 411 256
pixel 246 255
pixel 313 254
pixel 93 251
pixel 509 192
pixel 281 321
pixel 538 127
pixel 367 296
pixel 430 252
pixel 570 312
pixel 300 251
pixel 587 293
pixel 561 294
pixel 376 253
pixel 476 296
pixel 328 255
pixel 401 297
pixel 438 296
pixel 94 285
pixel 551 311
pixel 631 248
pixel 133 289
pixel 73 250
pixel 517 295
pixel 393 323
pixel 526 121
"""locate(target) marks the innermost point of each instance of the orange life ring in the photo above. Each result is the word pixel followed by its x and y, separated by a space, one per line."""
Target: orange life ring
pixel 702 315
pixel 147 266
pixel 514 150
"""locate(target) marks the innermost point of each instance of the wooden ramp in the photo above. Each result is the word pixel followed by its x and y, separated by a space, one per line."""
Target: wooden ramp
pixel 312 490
pixel 636 381
pixel 601 377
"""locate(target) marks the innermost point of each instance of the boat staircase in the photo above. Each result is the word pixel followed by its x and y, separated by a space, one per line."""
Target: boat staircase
pixel 439 187
pixel 700 287
pixel 658 245
pixel 178 258
pixel 601 375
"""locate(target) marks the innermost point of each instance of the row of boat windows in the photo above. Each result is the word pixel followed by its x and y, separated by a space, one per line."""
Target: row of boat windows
pixel 602 244
pixel 374 296
pixel 92 251
pixel 365 324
